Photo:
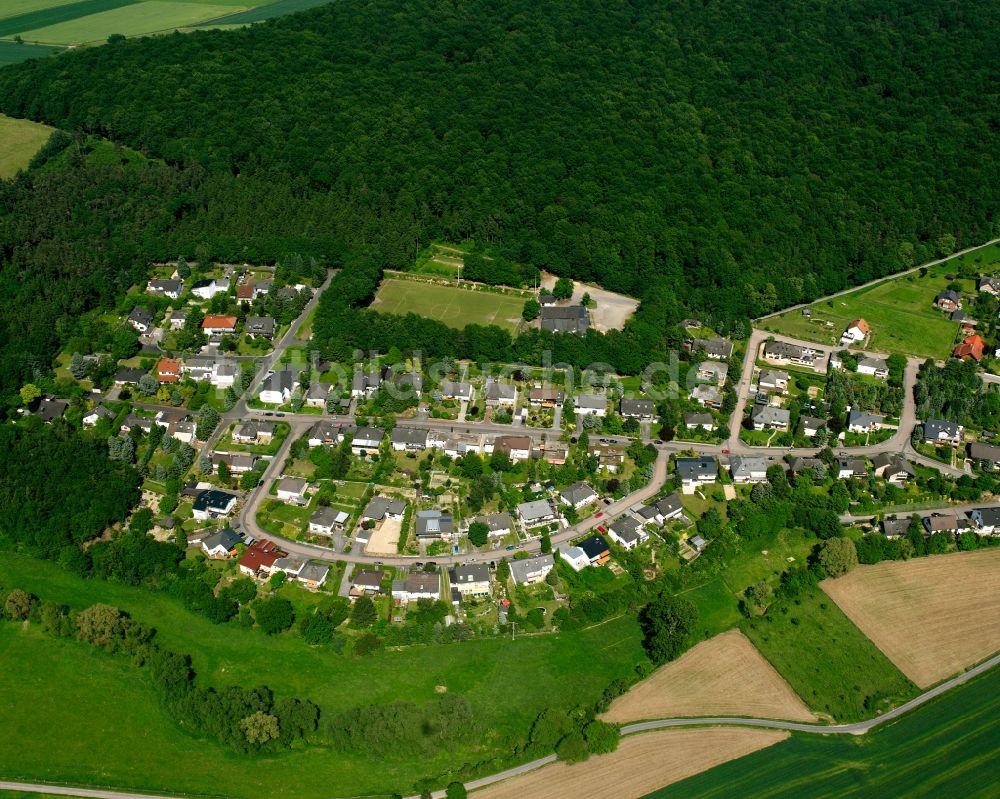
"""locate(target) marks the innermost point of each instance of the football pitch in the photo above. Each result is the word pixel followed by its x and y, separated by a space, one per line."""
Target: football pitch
pixel 456 307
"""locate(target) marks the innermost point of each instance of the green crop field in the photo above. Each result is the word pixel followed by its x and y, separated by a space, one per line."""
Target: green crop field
pixel 58 691
pixel 899 310
pixel 55 13
pixel 947 748
pixel 14 53
pixel 452 305
pixel 268 11
pixel 20 139
pixel 827 660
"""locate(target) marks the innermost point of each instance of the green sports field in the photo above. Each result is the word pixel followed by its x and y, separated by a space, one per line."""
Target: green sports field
pixel 454 306
pixel 949 748
pixel 20 139
pixel 899 310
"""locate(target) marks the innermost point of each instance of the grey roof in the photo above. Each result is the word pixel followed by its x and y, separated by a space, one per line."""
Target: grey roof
pixel 280 381
pixel 857 466
pixel 325 516
pixel 874 362
pixel 984 452
pixel 745 466
pixel 989 517
pixel 698 419
pixel 49 409
pixel 706 394
pixel 537 509
pixel 101 412
pixel 368 578
pixel 637 407
pixel 784 350
pixel 294 484
pixel 253 429
pixel 520 570
pixel 466 573
pixel 325 430
pixel 128 375
pixel 772 377
pixel 577 493
pixel 419 583
pixel 717 370
pixel 314 572
pixel 368 435
pixel 948 294
pixel 671 503
pixel 565 319
pixel 379 506
pixel 895 527
pixel 627 529
pixel 714 347
pixel 260 325
pixel 165 286
pixel 941 428
pixel 863 419
pixel 409 436
pixel 768 414
pixel 593 401
pixel 434 524
pixel 226 538
pixel 414 380
pixel 697 468
pixel 497 391
pixel 141 315
pixel 452 389
pixel 799 465
pixel 894 463
pixel 812 422
pixel 494 521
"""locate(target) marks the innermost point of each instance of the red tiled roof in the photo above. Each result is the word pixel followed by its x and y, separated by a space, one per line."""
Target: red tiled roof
pixel 260 554
pixel 244 291
pixel 219 322
pixel 168 370
pixel 972 347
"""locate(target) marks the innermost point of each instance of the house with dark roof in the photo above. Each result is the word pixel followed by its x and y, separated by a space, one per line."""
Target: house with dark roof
pixel 50 409
pixel 212 504
pixel 408 439
pixel 862 422
pixel 873 366
pixel 278 387
pixel 500 394
pixel 985 456
pixel 940 432
pixel 811 425
pixel 596 549
pixel 380 508
pixel 221 545
pixel 948 300
pixel 565 319
pixel 540 397
pixel 530 570
pixel 696 472
pixel 536 512
pixel 694 421
pixel 165 288
pixel 768 417
pixel 641 409
pixel 663 510
pixel 327 520
pixel 95 414
pixel 893 468
pixel 259 327
pixel 848 468
pixel 785 352
pixel 627 532
pixel 141 319
pixel 895 528
pixel 986 520
pixel 434 524
pixel 367 582
pixel 748 469
pixel 451 390
pixel 577 495
pixel 718 349
pixel 471 579
pixel 313 575
pixel 419 585
pixel 498 524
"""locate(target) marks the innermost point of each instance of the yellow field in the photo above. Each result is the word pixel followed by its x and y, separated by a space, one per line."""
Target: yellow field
pixel 20 139
pixel 931 616
pixel 724 676
pixel 643 763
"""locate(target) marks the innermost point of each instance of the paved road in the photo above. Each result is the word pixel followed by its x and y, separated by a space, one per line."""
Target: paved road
pixel 875 282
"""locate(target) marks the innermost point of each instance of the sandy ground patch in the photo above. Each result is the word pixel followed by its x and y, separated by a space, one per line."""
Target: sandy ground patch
pixel 724 676
pixel 643 763
pixel 384 538
pixel 612 310
pixel 931 616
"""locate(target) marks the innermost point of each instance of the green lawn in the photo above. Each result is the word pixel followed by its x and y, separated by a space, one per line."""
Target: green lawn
pixel 63 689
pixel 947 748
pixel 827 660
pixel 452 305
pixel 899 310
pixel 20 139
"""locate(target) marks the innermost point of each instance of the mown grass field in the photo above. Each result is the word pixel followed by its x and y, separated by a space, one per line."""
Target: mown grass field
pixel 20 139
pixel 899 310
pixel 948 748
pixel 456 307
pixel 63 689
pixel 827 660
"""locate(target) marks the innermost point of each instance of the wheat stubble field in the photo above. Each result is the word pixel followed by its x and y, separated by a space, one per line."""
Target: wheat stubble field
pixel 933 616
pixel 724 675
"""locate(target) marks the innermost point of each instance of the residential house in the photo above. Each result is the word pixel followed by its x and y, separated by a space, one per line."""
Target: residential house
pixel 420 585
pixel 718 349
pixel 313 575
pixel 536 512
pixel 574 557
pixel 434 524
pixel 948 300
pixel 292 489
pixel 784 352
pixel 811 425
pixel 95 414
pixel 236 462
pixel 177 319
pixel 244 293
pixel 259 327
pixel 767 417
pixel 991 285
pixel 578 495
pixel 254 432
pixel 773 380
pixel 291 565
pixel 627 532
pixel 365 384
pixel 692 421
pixel 182 431
pixel 610 457
pixel 596 549
pixel 940 431
pixel 500 394
pixel 471 579
pixel 590 404
pixel 712 372
pixel 206 289
pixel 367 582
pixel 517 447
pixel 663 510
pixel 800 465
pixel 278 387
pixel 140 319
pixel 325 433
pixel 940 523
pixel 128 376
pixel 221 545
pixel 696 472
pixel 317 394
pixel 985 456
pixel 168 416
pixel 408 439
pixel 553 452
pixel 986 520
pixel 212 504
pixel 893 468
pixel 327 520
pixel 133 422
pixel 456 391
pixel 971 347
pixel 862 422
pixel 367 440
pixel 874 366
pixel 540 397
pixel 851 468
pixel 168 370
pixel 531 570
pixel 50 409
pixel 565 319
pixel 499 524
pixel 458 444
pixel 165 288
pixel 380 508
pixel 545 299
pixel 411 382
pixel 856 333
pixel 895 528
pixel 708 396
pixel 641 409
pixel 218 324
pixel 746 469
pixel 259 558
pixel 262 288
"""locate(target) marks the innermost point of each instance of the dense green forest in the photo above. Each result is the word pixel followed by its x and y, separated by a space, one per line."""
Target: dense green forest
pixel 724 159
